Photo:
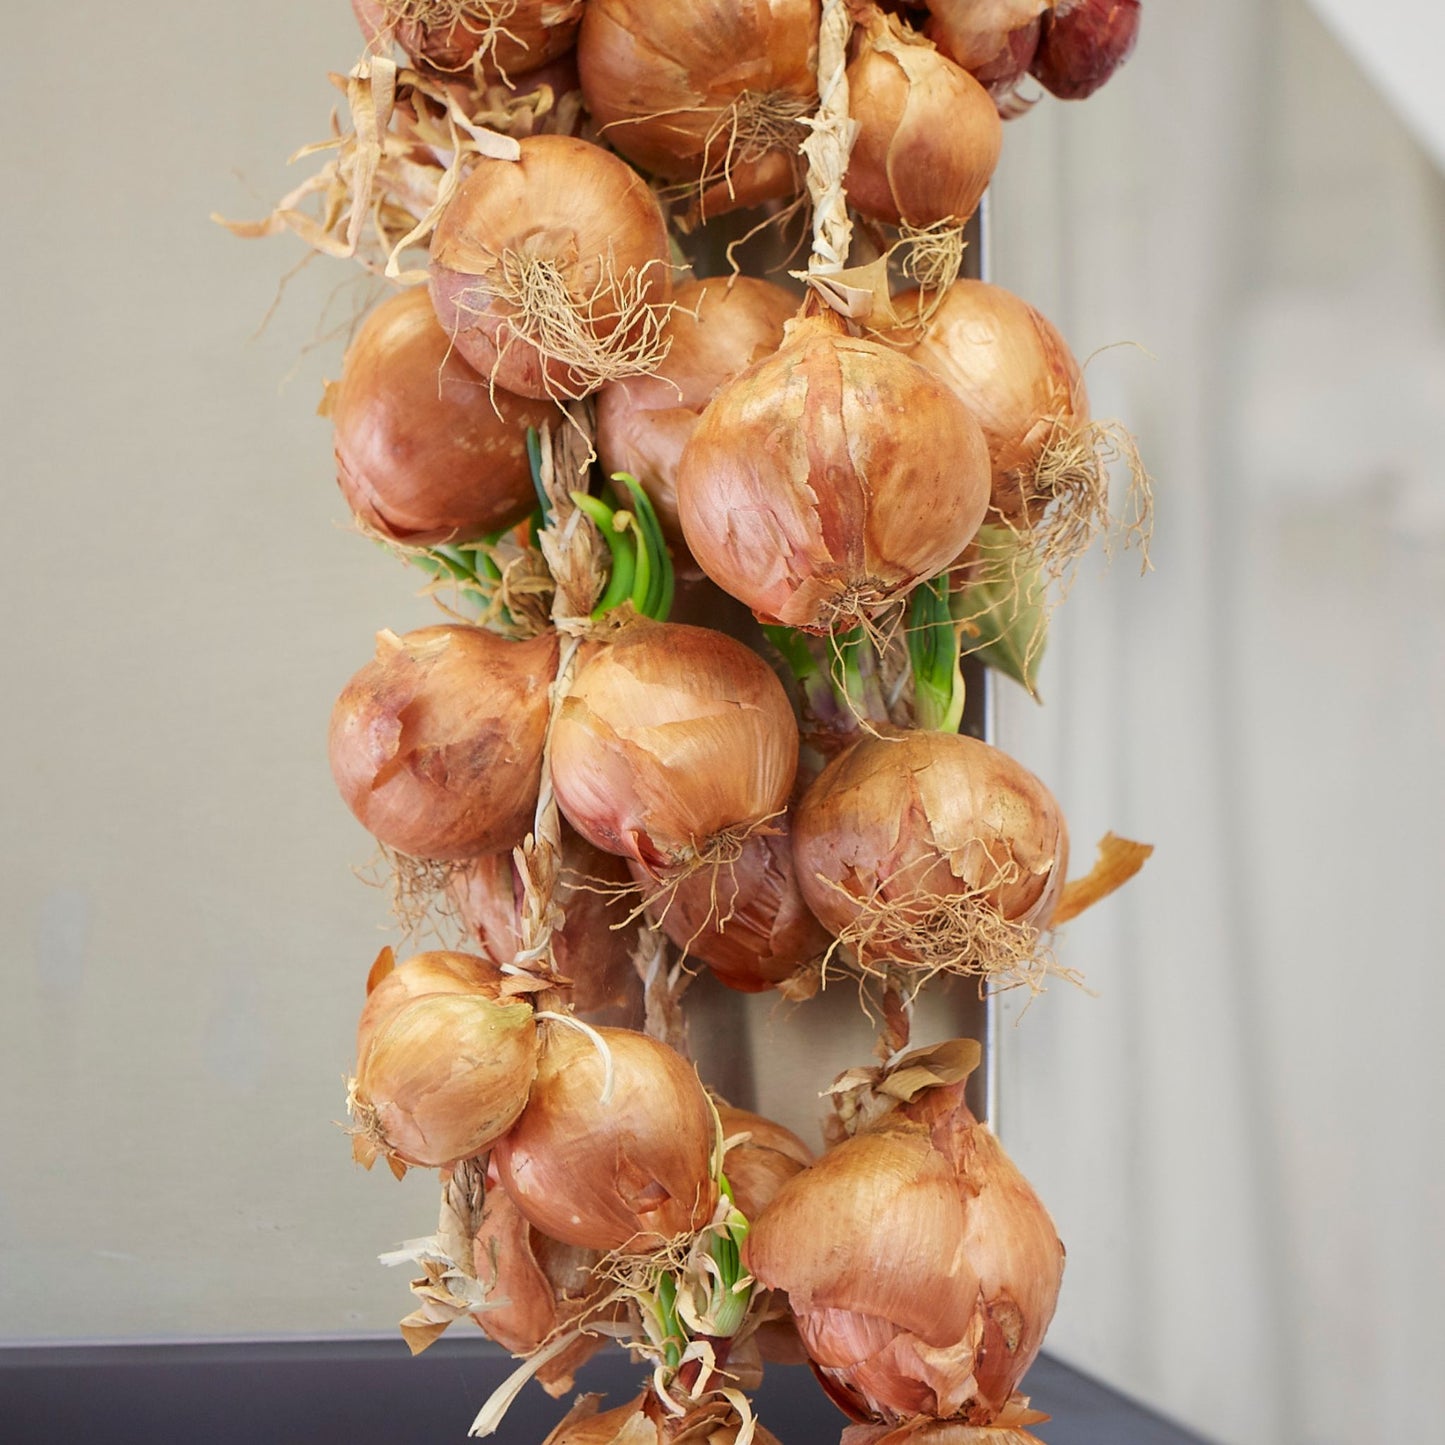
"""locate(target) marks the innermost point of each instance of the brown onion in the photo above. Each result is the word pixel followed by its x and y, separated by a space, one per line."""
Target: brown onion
pixel 552 273
pixel 994 40
pixel 761 1157
pixel 704 92
pixel 1083 43
pixel 436 745
pixel 928 134
pixel 746 919
pixel 931 850
pixel 592 946
pixel 719 328
pixel 921 1268
pixel 630 1170
pixel 644 1422
pixel 423 452
pixel 672 745
pixel 492 37
pixel 442 1074
pixel 805 494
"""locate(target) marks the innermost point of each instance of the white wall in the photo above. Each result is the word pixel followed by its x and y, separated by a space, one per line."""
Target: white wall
pixel 1235 1133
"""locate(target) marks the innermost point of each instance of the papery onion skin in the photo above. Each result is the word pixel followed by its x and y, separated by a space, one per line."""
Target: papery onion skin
pixel 758 1165
pixel 929 135
pixel 629 1173
pixel 805 494
pixel 565 202
pixel 442 1075
pixel 746 919
pixel 1013 370
pixel 643 1422
pixel 436 745
pixel 913 818
pixel 658 76
pixel 423 452
pixel 1083 43
pixel 670 738
pixel 592 947
pixel 719 328
pixel 519 37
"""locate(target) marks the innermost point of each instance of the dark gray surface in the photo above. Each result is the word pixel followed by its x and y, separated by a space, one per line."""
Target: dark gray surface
pixel 360 1392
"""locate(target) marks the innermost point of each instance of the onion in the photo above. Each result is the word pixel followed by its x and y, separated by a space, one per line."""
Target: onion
pixel 1083 43
pixel 441 1073
pixel 489 37
pixel 933 851
pixel 761 1157
pixel 551 273
pixel 643 1422
pixel 672 746
pixel 538 1287
pixel 704 93
pixel 804 493
pixel 615 1153
pixel 423 453
pixel 928 134
pixel 719 328
pixel 994 40
pixel 592 947
pixel 746 919
pixel 436 745
pixel 921 1268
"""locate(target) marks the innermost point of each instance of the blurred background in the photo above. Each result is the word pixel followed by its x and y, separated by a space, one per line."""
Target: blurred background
pixel 1233 1123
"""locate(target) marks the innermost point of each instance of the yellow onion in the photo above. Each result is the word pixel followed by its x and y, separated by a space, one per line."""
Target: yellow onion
pixel 1019 378
pixel 1083 43
pixel 552 273
pixel 994 40
pixel 761 1157
pixel 709 93
pixel 645 1422
pixel 436 745
pixel 746 919
pixel 1007 1430
pixel 931 850
pixel 719 328
pixel 537 1287
pixel 441 1074
pixel 423 452
pixel 592 946
pixel 804 491
pixel 494 37
pixel 673 744
pixel 922 1274
pixel 928 134
pixel 627 1169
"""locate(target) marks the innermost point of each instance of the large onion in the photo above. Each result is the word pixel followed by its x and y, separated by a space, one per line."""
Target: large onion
pixel 719 328
pixel 673 744
pixel 931 850
pixel 491 37
pixel 710 93
pixel 441 1074
pixel 626 1170
pixel 436 745
pixel 423 452
pixel 921 1268
pixel 551 273
pixel 805 494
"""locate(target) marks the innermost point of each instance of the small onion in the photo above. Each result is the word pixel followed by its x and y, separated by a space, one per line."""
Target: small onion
pixel 592 947
pixel 436 745
pixel 423 452
pixel 928 134
pixel 746 919
pixel 673 744
pixel 496 37
pixel 704 92
pixel 440 1075
pixel 804 493
pixel 921 1268
pixel 761 1157
pixel 994 40
pixel 718 329
pixel 1083 43
pixel 629 1171
pixel 552 273
pixel 644 1422
pixel 931 850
